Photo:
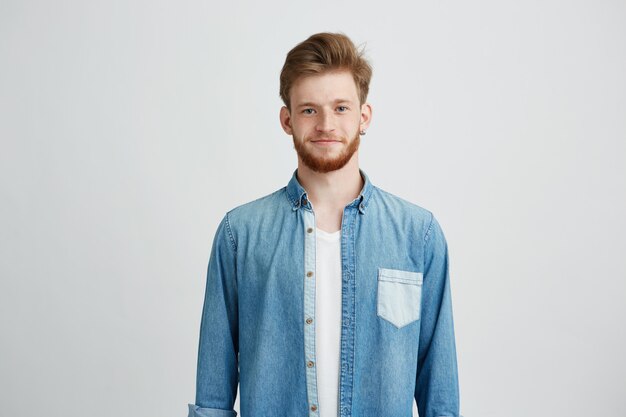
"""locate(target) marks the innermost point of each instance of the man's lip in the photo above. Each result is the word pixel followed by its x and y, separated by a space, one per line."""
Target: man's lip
pixel 326 140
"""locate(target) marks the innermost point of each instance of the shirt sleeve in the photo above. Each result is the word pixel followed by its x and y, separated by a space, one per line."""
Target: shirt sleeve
pixel 217 373
pixel 437 387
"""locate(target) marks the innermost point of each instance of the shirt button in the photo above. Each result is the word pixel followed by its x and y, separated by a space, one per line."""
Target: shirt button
pixel 309 274
pixel 309 320
pixel 309 230
pixel 309 364
pixel 313 407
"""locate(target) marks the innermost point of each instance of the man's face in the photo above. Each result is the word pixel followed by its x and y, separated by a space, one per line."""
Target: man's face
pixel 325 120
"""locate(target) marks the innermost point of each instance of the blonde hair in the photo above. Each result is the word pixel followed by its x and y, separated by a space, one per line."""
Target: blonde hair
pixel 323 52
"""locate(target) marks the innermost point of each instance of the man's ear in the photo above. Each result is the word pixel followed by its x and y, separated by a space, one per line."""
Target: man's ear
pixel 285 120
pixel 366 116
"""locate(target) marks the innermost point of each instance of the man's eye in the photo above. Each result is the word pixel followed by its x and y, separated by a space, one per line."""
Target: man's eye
pixel 342 108
pixel 308 111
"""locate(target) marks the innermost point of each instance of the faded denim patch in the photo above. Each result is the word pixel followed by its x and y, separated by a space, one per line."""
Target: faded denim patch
pixel 399 296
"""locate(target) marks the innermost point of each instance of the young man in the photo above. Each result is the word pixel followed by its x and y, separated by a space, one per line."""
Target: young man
pixel 328 297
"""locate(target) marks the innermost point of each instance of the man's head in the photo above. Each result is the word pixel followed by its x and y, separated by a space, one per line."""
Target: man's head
pixel 324 84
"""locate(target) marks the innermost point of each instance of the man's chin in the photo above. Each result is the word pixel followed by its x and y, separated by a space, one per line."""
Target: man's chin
pixel 325 165
pixel 308 150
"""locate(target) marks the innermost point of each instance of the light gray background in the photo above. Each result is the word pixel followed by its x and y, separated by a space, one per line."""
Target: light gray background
pixel 129 128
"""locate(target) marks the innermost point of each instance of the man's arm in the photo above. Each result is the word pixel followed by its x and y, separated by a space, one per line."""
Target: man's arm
pixel 437 387
pixel 217 374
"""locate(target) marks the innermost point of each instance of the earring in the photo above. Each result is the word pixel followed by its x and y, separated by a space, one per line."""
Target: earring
pixel 362 132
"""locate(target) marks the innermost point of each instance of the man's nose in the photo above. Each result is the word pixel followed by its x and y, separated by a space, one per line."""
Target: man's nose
pixel 325 122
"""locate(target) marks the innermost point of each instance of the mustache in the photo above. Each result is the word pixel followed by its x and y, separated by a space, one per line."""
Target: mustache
pixel 327 137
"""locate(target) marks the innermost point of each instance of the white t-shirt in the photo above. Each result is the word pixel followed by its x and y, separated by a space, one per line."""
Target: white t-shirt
pixel 328 319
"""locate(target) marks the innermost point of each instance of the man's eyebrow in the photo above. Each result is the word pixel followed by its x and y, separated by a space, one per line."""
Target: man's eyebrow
pixel 337 101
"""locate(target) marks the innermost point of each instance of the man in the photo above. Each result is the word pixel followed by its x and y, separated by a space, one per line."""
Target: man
pixel 328 297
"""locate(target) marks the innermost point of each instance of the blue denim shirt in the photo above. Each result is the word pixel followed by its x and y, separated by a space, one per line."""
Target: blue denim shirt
pixel 258 319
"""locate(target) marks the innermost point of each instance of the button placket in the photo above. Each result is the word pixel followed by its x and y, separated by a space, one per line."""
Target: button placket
pixel 309 307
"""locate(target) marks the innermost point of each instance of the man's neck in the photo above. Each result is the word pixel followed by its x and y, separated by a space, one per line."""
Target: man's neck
pixel 331 190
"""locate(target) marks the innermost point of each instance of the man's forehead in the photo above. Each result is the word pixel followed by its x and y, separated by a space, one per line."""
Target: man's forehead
pixel 328 87
pixel 326 77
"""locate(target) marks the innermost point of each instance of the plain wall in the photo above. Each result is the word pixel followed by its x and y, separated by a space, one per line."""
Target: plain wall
pixel 128 129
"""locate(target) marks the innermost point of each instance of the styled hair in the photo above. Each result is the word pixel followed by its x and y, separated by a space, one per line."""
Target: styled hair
pixel 324 52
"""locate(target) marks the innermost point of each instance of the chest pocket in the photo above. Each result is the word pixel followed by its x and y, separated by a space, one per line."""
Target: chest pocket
pixel 399 296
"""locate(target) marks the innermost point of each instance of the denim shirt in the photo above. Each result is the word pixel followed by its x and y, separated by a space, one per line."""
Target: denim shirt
pixel 258 319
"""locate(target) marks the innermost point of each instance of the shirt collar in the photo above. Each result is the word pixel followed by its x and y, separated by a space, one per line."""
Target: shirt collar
pixel 298 196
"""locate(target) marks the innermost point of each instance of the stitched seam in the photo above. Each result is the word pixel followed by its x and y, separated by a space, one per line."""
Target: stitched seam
pixel 354 310
pixel 387 278
pixel 230 234
pixel 430 226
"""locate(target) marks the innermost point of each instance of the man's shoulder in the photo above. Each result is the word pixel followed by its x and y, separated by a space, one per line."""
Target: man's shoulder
pixel 250 211
pixel 403 211
pixel 401 206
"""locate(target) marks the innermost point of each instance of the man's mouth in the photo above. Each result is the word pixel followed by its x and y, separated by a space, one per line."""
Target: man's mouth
pixel 328 140
pixel 325 142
